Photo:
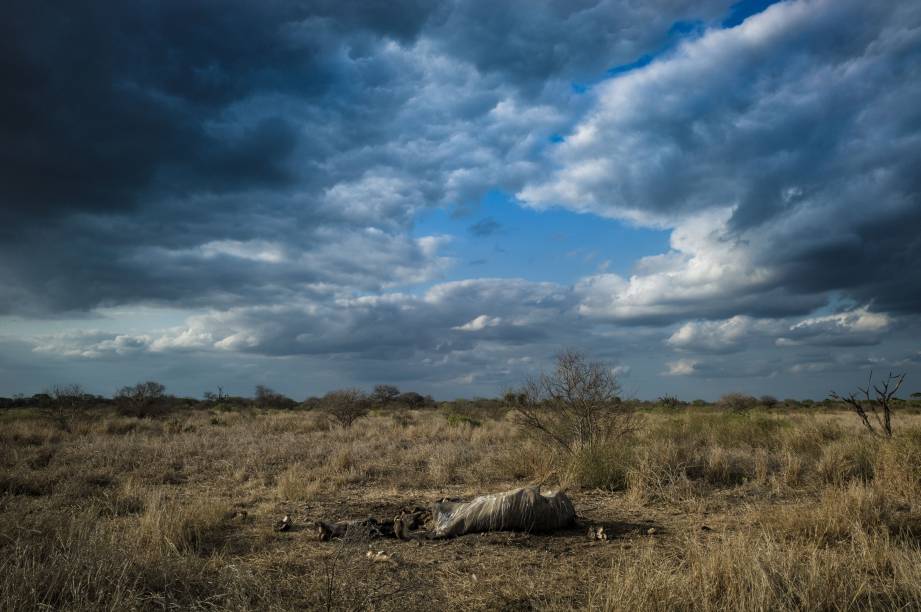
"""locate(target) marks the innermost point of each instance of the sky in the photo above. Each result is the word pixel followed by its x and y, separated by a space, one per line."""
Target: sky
pixel 708 196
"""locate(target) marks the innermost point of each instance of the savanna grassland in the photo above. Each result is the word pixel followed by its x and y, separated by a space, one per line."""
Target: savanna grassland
pixel 706 510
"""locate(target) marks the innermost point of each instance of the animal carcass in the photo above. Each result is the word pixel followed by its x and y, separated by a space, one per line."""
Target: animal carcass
pixel 524 509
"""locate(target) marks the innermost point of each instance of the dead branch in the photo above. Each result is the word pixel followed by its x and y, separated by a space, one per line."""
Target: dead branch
pixel 880 406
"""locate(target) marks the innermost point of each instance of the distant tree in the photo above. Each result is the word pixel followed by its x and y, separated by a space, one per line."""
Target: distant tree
pixel 882 400
pixel 737 402
pixel 768 401
pixel 574 407
pixel 266 398
pixel 384 394
pixel 42 400
pixel 671 402
pixel 142 399
pixel 312 403
pixel 64 401
pixel 411 399
pixel 211 396
pixel 346 405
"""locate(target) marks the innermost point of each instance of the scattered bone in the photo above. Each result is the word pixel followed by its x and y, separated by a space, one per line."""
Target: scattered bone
pixel 284 524
pixel 597 533
pixel 379 557
pixel 364 529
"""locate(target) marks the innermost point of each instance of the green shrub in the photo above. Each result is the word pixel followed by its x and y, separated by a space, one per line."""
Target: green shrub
pixel 456 419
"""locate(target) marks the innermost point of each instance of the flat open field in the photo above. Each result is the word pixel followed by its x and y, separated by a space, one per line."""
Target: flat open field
pixel 706 511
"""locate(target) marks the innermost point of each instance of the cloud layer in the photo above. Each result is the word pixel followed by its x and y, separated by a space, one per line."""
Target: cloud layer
pixel 263 168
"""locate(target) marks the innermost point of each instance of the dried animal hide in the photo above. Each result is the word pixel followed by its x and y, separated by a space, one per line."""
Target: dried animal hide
pixel 405 527
pixel 524 509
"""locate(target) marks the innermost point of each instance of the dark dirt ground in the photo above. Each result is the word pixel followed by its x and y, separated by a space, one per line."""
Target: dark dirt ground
pixel 498 570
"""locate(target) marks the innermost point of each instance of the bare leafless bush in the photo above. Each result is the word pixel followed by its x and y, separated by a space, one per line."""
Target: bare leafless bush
pixel 65 399
pixel 670 402
pixel 141 400
pixel 346 405
pixel 574 407
pixel 737 402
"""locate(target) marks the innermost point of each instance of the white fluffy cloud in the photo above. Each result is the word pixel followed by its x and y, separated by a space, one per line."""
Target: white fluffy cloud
pixel 855 327
pixel 680 367
pixel 712 336
pixel 479 323
pixel 760 146
pixel 707 273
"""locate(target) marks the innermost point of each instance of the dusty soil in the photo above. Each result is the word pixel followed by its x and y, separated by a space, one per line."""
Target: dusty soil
pixel 498 570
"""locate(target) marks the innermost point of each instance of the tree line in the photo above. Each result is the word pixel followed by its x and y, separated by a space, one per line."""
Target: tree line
pixel 150 397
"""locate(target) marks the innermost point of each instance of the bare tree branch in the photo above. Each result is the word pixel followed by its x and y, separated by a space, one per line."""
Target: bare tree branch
pixel 885 392
pixel 574 407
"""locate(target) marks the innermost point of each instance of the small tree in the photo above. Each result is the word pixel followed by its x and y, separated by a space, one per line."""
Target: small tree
pixel 881 403
pixel 737 402
pixel 65 399
pixel 266 398
pixel 671 402
pixel 574 407
pixel 768 401
pixel 346 405
pixel 141 399
pixel 411 399
pixel 211 396
pixel 384 394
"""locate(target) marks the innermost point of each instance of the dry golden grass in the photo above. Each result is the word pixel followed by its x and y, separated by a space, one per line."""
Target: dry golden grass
pixel 707 511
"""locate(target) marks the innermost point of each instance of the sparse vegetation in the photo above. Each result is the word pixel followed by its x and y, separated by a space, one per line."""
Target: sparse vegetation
pixel 799 507
pixel 266 397
pixel 737 402
pixel 384 394
pixel 669 402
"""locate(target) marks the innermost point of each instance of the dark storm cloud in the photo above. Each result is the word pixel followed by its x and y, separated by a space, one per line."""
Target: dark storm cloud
pixel 134 136
pixel 105 96
pixel 532 43
pixel 104 100
pixel 123 125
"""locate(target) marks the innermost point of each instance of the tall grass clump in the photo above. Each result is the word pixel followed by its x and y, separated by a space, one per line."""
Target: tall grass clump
pixel 756 571
pixel 167 526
